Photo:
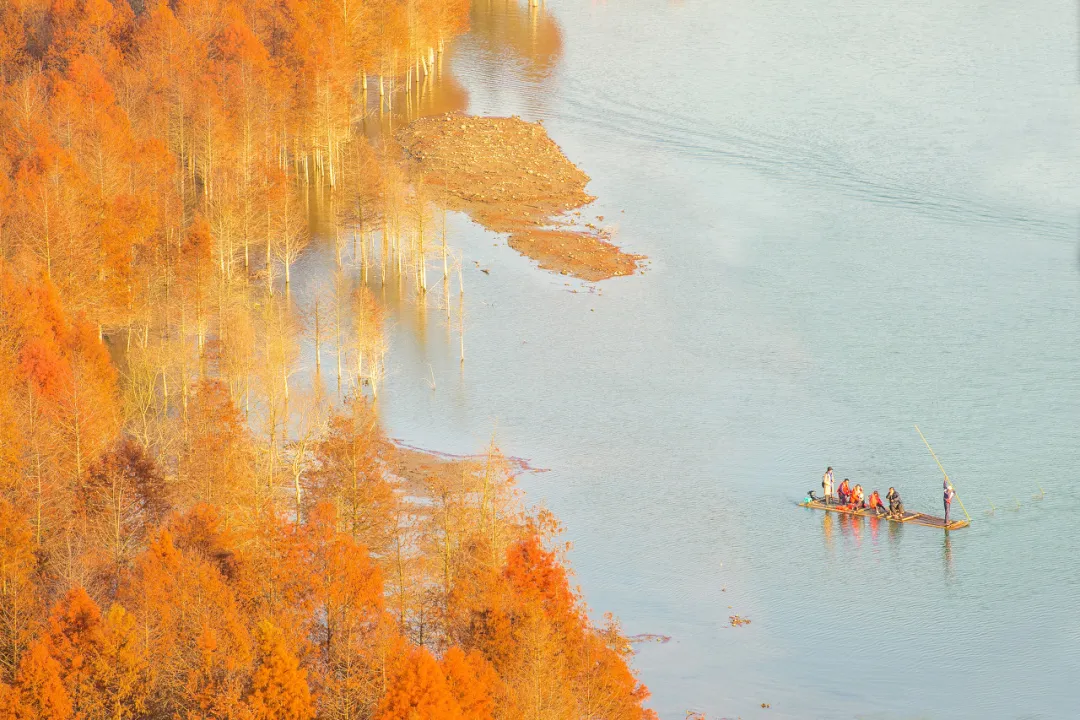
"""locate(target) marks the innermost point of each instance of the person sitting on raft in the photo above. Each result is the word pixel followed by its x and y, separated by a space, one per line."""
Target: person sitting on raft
pixel 844 491
pixel 857 499
pixel 875 504
pixel 896 505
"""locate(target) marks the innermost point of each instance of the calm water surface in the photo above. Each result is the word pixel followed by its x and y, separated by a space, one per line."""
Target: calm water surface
pixel 859 216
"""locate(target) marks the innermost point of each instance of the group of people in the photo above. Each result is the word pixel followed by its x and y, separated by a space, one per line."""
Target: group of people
pixel 855 498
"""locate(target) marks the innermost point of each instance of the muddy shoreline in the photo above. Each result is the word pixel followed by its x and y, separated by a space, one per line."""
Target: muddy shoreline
pixel 510 177
pixel 412 466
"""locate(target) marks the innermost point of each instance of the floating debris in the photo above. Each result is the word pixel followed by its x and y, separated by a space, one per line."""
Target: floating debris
pixel 649 637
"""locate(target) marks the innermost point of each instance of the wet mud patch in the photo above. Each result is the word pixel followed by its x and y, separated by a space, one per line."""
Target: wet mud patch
pixel 413 465
pixel 510 177
pixel 582 254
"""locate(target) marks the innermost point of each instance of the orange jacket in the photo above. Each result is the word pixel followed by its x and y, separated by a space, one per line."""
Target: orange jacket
pixel 875 500
pixel 844 488
pixel 857 495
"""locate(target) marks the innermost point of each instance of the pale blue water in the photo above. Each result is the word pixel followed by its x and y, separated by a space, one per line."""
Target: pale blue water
pixel 859 216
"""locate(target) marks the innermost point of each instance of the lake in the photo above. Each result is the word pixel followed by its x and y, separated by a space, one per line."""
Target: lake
pixel 859 216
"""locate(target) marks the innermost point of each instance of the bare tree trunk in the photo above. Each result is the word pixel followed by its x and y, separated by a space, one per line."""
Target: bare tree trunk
pixel 318 354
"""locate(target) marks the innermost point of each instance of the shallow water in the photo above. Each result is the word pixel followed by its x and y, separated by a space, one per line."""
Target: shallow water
pixel 859 216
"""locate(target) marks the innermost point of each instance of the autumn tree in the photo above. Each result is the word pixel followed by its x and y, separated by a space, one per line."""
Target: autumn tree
pixel 279 688
pixel 76 637
pixel 123 668
pixel 289 233
pixel 349 473
pixel 98 134
pixel 351 628
pixel 277 363
pixel 20 603
pixel 369 348
pixel 87 409
pixel 41 691
pixel 124 496
pixel 419 690
pixel 216 459
pixel 473 682
pixel 13 436
pixel 191 628
pixel 101 659
pixel 196 256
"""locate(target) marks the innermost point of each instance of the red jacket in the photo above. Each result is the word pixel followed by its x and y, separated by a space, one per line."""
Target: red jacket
pixel 875 500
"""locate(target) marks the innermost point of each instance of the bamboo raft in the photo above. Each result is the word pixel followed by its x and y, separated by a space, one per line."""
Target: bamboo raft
pixel 909 517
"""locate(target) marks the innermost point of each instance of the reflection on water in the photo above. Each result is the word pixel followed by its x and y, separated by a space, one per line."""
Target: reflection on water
pixel 827 529
pixel 440 92
pixel 947 556
pixel 505 37
pixel 875 528
pixel 508 40
pixel 852 529
pixel 896 530
pixel 511 57
pixel 883 535
pixel 530 32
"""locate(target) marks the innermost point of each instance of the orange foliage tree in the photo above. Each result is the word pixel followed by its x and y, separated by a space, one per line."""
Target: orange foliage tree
pixel 350 474
pixel 41 691
pixel 20 608
pixel 419 690
pixel 473 682
pixel 279 689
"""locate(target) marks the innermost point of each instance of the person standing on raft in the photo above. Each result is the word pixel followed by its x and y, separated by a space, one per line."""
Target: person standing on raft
pixel 827 485
pixel 948 498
